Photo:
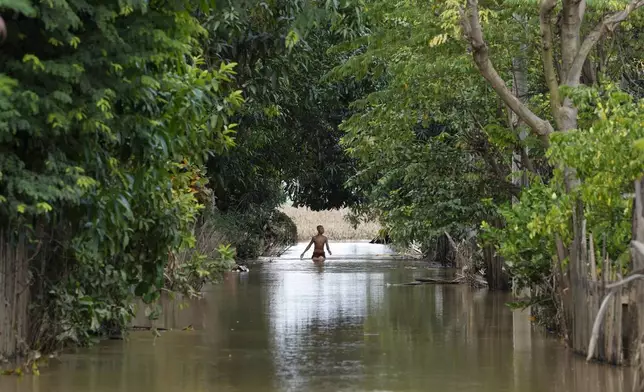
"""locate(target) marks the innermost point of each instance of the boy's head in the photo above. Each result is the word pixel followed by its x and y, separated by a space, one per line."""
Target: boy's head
pixel 320 229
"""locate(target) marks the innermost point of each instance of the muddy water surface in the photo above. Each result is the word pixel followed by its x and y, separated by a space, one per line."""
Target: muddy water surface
pixel 290 325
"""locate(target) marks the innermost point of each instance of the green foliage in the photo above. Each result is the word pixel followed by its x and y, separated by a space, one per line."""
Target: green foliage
pixel 288 132
pixel 526 240
pixel 280 234
pixel 607 161
pixel 427 160
pixel 189 276
pixel 426 188
pixel 103 101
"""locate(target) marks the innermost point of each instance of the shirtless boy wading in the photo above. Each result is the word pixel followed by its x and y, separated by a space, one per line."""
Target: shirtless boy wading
pixel 319 241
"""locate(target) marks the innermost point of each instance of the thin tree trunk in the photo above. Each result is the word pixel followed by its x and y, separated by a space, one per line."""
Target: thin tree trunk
pixel 520 154
pixel 496 276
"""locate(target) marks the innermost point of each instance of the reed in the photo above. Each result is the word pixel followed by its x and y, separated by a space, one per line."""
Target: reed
pixel 336 226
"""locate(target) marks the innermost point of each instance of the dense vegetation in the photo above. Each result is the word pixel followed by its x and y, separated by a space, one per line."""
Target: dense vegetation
pixel 515 120
pixel 107 116
pixel 138 139
pixel 287 135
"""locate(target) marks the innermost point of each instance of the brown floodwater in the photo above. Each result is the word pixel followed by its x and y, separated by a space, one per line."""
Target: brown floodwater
pixel 291 325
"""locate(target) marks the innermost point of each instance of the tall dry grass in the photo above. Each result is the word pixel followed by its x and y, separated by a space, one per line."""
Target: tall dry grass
pixel 336 227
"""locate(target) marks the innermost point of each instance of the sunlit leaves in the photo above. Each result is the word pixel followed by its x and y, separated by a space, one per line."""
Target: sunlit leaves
pixel 292 38
pixel 606 160
pixel 44 207
pixel 85 182
pixel 34 61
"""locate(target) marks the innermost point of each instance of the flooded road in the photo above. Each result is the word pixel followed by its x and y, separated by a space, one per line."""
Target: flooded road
pixel 290 325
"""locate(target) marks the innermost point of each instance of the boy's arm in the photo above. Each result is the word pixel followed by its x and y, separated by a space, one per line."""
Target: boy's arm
pixel 307 248
pixel 327 246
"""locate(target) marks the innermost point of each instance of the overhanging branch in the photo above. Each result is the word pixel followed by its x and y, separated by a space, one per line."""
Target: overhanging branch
pixel 474 34
pixel 608 23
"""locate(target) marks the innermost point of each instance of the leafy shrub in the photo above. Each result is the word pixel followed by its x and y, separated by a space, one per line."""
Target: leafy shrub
pixel 607 161
pixel 281 232
pixel 189 276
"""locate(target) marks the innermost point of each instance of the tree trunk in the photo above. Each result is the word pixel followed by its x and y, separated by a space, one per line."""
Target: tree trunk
pixel 520 154
pixel 637 300
pixel 496 277
pixel 495 274
pixel 14 296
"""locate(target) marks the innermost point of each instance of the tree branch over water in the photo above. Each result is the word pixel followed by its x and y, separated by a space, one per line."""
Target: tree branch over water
pixel 480 52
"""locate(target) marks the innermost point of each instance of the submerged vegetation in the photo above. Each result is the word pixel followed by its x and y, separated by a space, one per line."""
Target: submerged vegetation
pixel 144 146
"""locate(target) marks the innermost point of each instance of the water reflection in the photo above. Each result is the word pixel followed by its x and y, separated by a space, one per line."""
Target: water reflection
pixel 315 317
pixel 292 325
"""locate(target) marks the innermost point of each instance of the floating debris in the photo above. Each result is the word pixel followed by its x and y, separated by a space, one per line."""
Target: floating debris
pixel 241 268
